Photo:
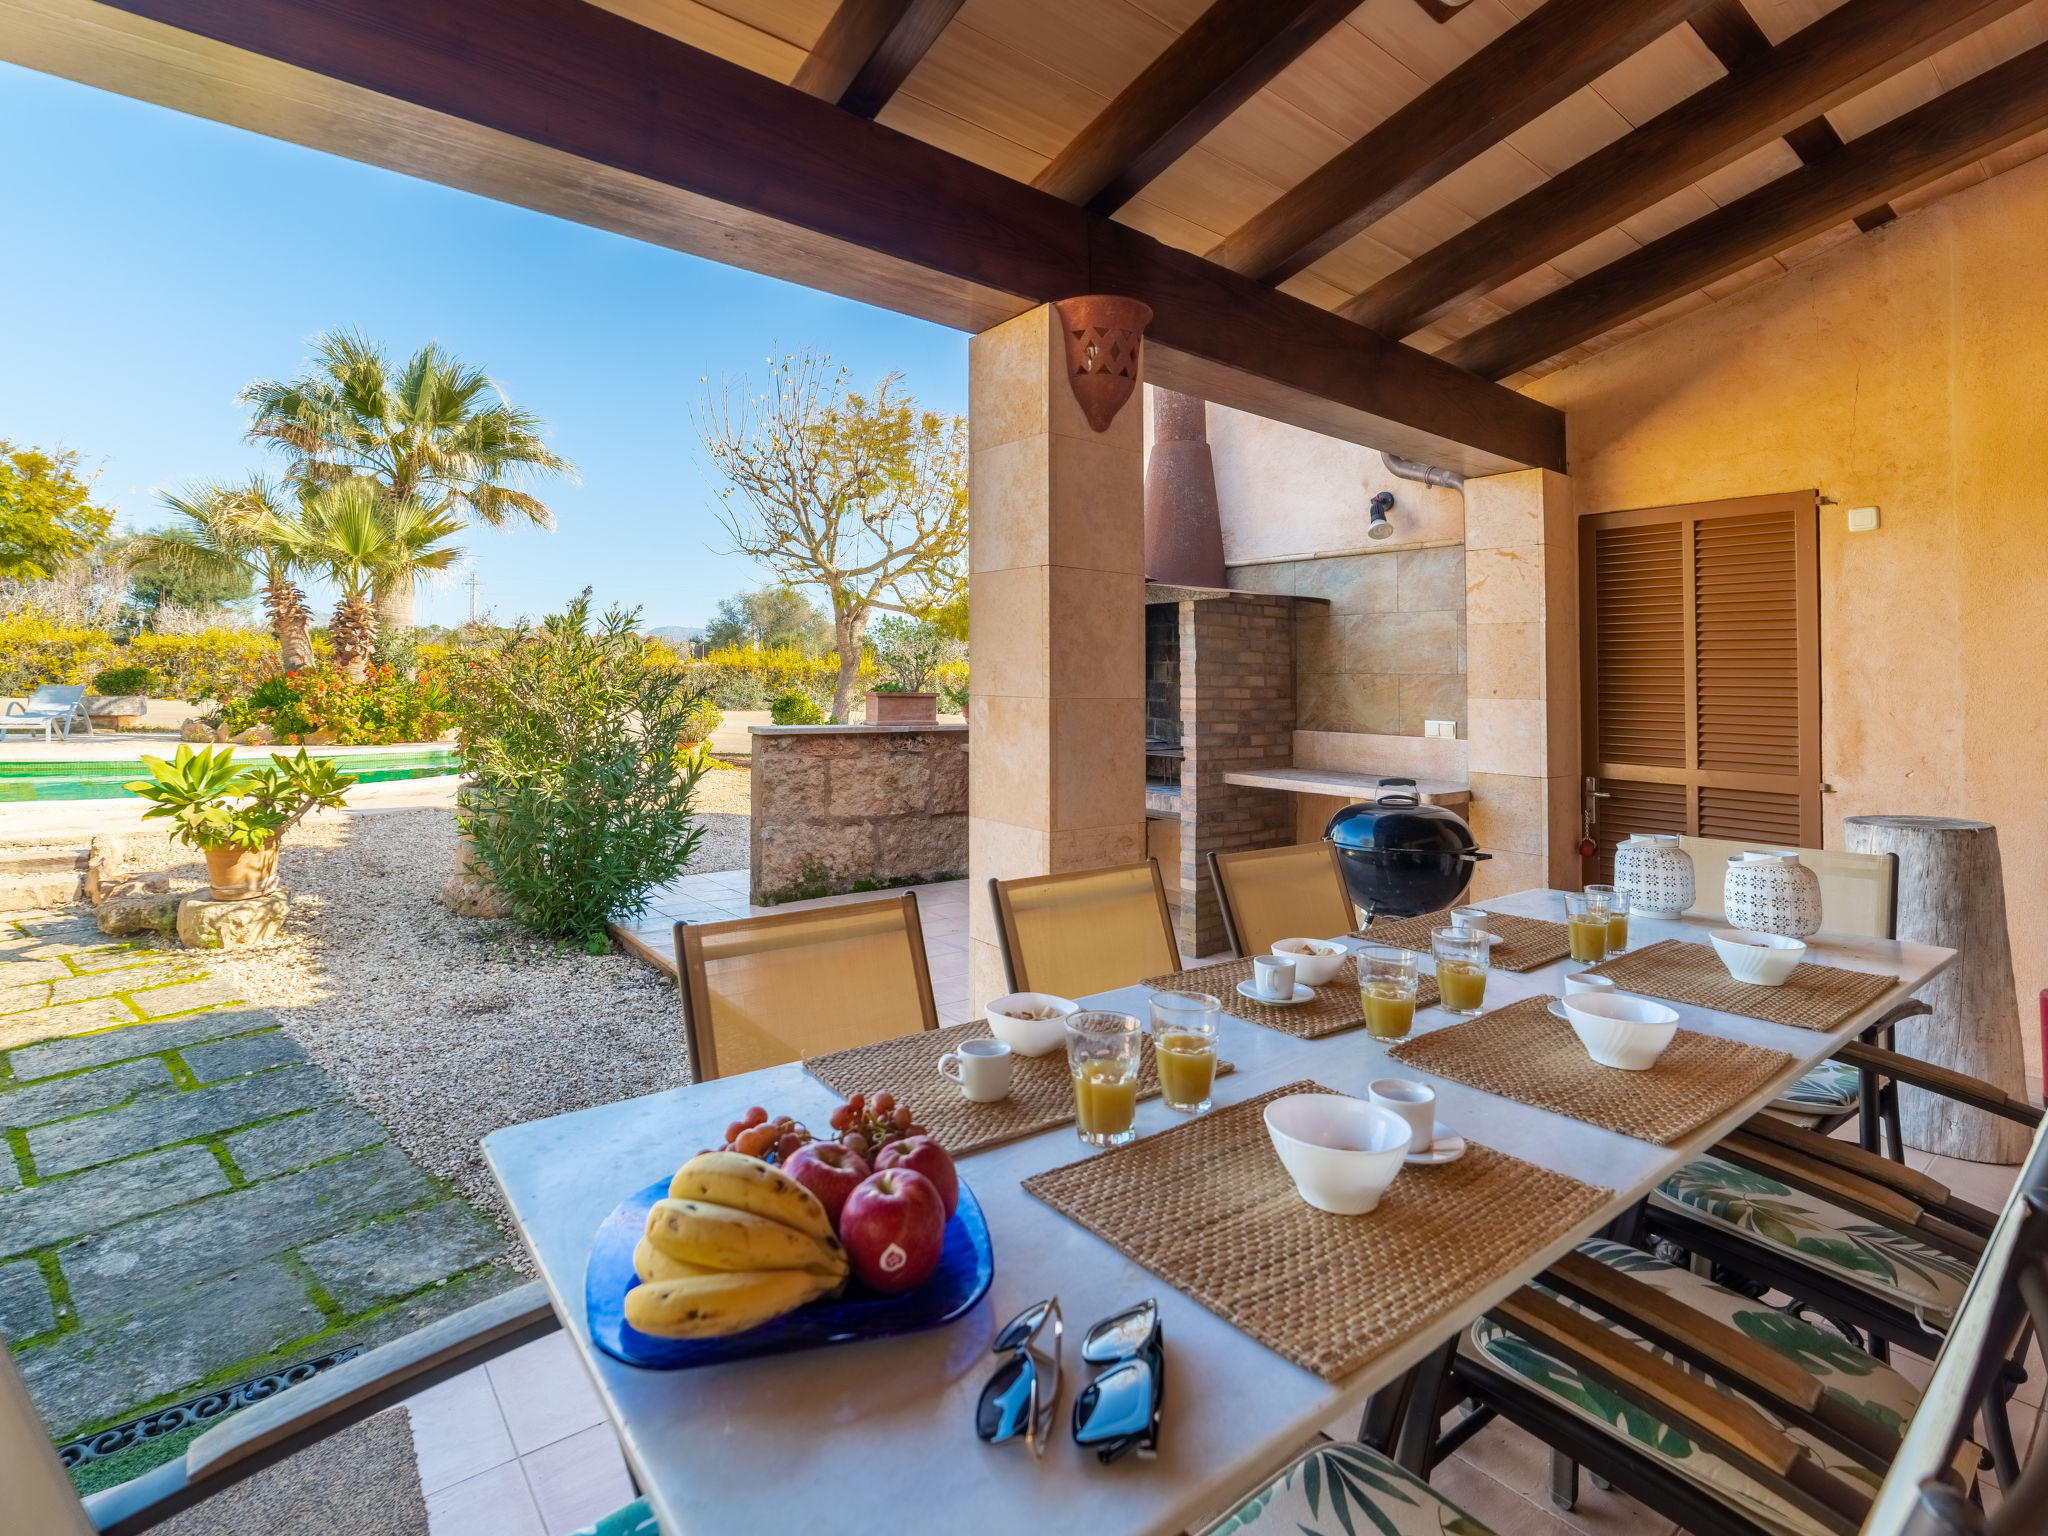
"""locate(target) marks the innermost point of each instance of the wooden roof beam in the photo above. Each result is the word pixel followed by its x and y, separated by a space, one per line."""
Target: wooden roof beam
pixel 1848 50
pixel 1997 108
pixel 1220 62
pixel 1535 64
pixel 868 50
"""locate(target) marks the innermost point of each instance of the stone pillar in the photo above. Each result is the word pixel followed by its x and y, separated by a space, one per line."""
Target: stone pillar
pixel 1522 679
pixel 1056 605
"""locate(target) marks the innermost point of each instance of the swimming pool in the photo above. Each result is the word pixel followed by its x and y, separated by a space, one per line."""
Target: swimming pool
pixel 96 778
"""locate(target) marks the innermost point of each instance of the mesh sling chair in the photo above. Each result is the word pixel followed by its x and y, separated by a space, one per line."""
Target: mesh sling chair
pixel 1269 894
pixel 761 991
pixel 1090 931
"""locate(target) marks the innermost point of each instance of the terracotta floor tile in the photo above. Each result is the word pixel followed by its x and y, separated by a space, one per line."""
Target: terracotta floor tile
pixel 1985 1184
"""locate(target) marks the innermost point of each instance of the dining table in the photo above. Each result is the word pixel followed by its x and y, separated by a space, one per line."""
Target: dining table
pixel 880 1434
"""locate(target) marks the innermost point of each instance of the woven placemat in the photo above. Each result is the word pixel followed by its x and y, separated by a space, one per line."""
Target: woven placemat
pixel 1334 1009
pixel 1041 1087
pixel 1208 1208
pixel 1820 997
pixel 1525 1052
pixel 1526 943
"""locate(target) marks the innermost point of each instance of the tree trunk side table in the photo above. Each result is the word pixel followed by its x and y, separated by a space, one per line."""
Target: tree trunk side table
pixel 1952 893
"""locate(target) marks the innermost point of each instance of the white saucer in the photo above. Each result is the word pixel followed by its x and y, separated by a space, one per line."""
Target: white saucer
pixel 1448 1147
pixel 1301 995
pixel 1557 1010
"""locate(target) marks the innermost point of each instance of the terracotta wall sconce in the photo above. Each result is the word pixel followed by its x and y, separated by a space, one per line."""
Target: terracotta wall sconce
pixel 1104 334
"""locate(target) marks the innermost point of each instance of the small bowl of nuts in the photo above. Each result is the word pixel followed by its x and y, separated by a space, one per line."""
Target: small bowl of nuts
pixel 1031 1023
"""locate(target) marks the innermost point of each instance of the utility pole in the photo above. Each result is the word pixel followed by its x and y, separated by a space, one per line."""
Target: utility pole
pixel 471 584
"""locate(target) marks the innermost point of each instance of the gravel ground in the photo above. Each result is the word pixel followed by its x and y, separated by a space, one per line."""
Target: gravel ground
pixel 448 1028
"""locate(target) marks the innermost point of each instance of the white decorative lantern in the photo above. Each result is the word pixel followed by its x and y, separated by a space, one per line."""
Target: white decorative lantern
pixel 1655 874
pixel 1772 892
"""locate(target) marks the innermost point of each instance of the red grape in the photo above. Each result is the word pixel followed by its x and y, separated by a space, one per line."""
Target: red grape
pixel 903 1118
pixel 786 1148
pixel 854 1141
pixel 916 1130
pixel 884 1102
pixel 732 1132
pixel 756 1115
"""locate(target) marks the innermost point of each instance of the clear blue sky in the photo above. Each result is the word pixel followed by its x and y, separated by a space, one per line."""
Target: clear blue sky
pixel 156 263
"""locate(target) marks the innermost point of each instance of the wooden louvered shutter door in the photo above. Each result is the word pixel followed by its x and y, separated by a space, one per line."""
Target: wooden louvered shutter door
pixel 1701 637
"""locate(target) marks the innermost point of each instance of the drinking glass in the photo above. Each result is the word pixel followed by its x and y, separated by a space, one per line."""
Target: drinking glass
pixel 1184 1042
pixel 1617 920
pixel 1102 1054
pixel 1585 923
pixel 1462 961
pixel 1386 991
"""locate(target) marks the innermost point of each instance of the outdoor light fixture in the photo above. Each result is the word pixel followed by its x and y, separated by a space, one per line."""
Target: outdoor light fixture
pixel 1380 528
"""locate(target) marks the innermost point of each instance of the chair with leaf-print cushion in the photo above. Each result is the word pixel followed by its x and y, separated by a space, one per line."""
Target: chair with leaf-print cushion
pixel 1792 1425
pixel 1344 1489
pixel 634 1519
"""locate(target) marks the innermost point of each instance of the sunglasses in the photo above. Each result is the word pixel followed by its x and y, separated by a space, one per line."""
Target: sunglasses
pixel 1019 1398
pixel 1120 1409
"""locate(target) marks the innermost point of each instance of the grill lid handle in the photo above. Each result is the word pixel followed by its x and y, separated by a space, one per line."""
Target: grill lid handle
pixel 1388 793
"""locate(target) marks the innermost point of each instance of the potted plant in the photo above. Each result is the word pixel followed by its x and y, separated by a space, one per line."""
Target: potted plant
pixel 199 792
pixel 120 697
pixel 889 704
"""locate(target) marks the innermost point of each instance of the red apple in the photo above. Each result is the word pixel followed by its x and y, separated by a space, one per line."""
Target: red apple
pixel 894 1227
pixel 924 1155
pixel 829 1171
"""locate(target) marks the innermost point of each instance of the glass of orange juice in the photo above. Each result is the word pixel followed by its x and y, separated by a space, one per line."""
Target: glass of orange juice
pixel 1184 1041
pixel 1462 961
pixel 1103 1050
pixel 1386 990
pixel 1617 916
pixel 1585 926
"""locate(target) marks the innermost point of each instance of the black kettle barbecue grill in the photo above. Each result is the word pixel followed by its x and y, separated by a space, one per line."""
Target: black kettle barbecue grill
pixel 1402 858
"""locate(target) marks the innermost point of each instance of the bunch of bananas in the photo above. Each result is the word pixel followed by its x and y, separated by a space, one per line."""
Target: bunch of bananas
pixel 735 1244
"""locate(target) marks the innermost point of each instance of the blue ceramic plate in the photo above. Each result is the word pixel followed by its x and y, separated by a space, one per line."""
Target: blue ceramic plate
pixel 965 1269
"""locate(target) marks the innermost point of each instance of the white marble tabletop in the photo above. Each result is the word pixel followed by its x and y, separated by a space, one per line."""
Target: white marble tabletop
pixel 883 1430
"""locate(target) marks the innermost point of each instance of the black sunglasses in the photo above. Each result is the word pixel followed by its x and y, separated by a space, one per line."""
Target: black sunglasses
pixel 1119 1410
pixel 1020 1397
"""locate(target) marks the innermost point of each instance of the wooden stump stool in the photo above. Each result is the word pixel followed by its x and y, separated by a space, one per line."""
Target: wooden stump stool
pixel 1952 893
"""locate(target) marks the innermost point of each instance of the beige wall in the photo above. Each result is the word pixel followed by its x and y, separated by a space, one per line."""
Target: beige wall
pixel 1907 370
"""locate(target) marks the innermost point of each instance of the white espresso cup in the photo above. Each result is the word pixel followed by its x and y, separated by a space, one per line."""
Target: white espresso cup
pixel 981 1068
pixel 1468 919
pixel 1413 1102
pixel 1273 977
pixel 1583 983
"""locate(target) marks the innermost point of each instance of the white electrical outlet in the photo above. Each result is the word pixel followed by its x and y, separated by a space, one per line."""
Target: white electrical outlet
pixel 1862 519
pixel 1440 728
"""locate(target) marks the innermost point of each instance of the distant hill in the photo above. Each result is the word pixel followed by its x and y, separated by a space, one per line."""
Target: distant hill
pixel 675 635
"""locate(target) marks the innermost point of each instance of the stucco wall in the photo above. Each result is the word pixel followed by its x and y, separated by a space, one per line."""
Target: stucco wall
pixel 1905 370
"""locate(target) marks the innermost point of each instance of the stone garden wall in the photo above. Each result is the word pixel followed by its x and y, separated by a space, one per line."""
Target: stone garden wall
pixel 856 807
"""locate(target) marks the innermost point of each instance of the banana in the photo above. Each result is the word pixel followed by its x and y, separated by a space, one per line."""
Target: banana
pixel 650 1263
pixel 712 1306
pixel 748 1184
pixel 719 1237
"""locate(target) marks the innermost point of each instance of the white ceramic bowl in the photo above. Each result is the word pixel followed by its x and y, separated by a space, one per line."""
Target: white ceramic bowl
pixel 1030 1037
pixel 1315 960
pixel 1762 959
pixel 1625 1032
pixel 1341 1153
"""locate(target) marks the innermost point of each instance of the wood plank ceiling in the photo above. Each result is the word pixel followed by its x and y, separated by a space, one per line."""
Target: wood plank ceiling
pixel 1514 186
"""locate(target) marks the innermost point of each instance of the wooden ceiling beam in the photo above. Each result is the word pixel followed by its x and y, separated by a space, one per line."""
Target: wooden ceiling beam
pixel 1220 62
pixel 868 50
pixel 1535 64
pixel 1997 108
pixel 567 106
pixel 1848 50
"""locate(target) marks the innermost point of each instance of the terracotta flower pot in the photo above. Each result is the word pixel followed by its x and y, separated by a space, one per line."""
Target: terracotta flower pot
pixel 237 873
pixel 902 708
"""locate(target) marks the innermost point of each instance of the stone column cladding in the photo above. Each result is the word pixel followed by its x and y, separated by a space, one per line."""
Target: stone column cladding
pixel 1237 712
pixel 856 807
pixel 1522 679
pixel 1056 602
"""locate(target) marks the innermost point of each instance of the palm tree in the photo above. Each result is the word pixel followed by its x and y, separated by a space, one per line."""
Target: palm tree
pixel 234 531
pixel 367 542
pixel 435 430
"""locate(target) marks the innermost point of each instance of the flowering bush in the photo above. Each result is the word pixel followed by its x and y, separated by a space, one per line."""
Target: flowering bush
pixel 382 709
pixel 212 664
pixel 734 675
pixel 35 649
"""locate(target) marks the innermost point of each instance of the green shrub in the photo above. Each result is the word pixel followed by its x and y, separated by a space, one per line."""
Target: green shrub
pixel 912 652
pixel 740 691
pixel 383 709
pixel 704 718
pixel 953 696
pixel 35 650
pixel 795 707
pixel 119 682
pixel 578 745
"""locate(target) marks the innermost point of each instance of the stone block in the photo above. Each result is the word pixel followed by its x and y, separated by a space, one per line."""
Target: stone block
pixel 160 1002
pixel 111 1045
pixel 920 847
pixel 138 911
pixel 1432 696
pixel 156 970
pixel 237 924
pixel 402 1253
pixel 218 1060
pixel 888 783
pixel 195 730
pixel 1431 579
pixel 36 893
pixel 25 1306
pixel 39 1103
pixel 62 1209
pixel 23 973
pixel 285 1146
pixel 165 1118
pixel 790 786
pixel 946 792
pixel 148 882
pixel 474 896
pixel 22 1029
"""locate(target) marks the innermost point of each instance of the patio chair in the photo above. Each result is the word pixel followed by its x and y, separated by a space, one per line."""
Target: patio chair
pixel 1089 931
pixel 1268 894
pixel 39 1497
pixel 761 991
pixel 61 705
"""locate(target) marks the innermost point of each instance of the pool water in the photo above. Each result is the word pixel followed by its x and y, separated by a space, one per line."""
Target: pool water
pixel 89 780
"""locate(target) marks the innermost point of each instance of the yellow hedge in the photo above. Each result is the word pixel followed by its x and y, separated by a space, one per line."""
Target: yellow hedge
pixel 213 664
pixel 784 667
pixel 35 650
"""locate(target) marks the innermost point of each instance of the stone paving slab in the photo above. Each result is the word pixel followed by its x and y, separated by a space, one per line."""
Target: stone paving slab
pixel 19 1029
pixel 163 1118
pixel 25 1306
pixel 161 1002
pixel 221 1059
pixel 63 1209
pixel 83 1051
pixel 285 1146
pixel 18 973
pixel 398 1256
pixel 57 1097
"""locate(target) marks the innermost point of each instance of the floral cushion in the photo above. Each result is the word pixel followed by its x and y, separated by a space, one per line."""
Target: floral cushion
pixel 1832 1088
pixel 1850 1375
pixel 1876 1258
pixel 1347 1490
pixel 634 1519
